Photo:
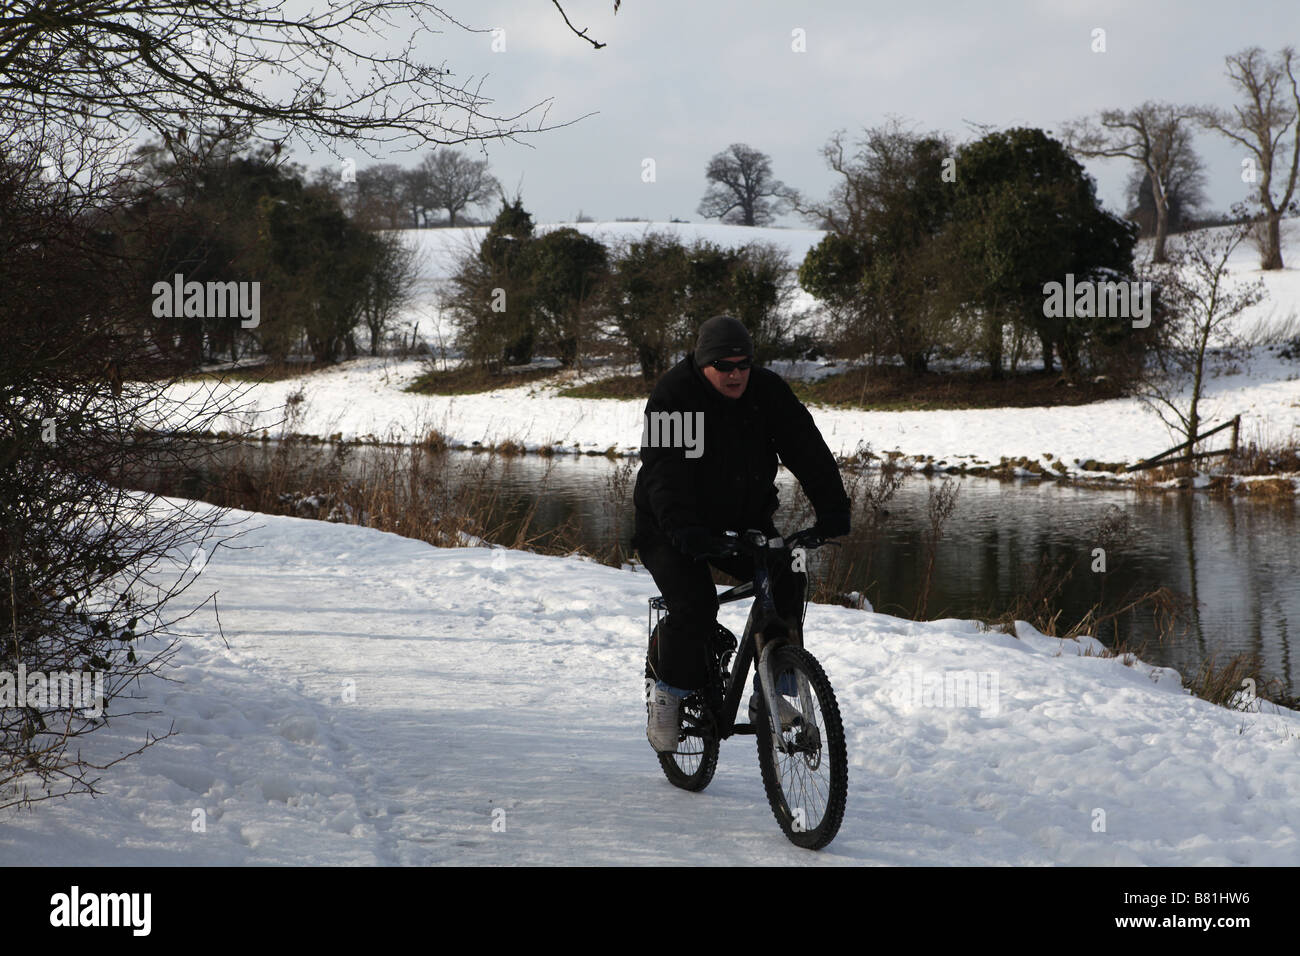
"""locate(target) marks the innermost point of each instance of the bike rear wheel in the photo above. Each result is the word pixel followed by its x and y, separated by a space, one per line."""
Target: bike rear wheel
pixel 805 773
pixel 692 766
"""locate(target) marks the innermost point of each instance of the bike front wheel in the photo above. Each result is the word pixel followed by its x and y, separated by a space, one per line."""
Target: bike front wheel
pixel 805 770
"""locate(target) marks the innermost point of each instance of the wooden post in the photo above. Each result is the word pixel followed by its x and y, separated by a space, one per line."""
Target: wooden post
pixel 1160 459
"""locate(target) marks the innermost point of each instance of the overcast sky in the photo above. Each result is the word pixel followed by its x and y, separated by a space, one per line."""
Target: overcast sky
pixel 679 81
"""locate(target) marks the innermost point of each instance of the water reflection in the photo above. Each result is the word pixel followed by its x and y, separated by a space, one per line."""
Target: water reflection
pixel 1237 558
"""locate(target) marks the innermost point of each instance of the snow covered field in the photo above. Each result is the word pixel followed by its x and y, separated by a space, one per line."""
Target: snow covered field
pixel 366 397
pixel 383 701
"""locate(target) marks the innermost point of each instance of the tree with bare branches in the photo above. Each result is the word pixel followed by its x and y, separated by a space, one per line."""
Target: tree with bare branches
pixel 89 570
pixel 1199 300
pixel 741 188
pixel 1269 111
pixel 177 62
pixel 379 202
pixel 882 270
pixel 1156 136
pixel 1184 197
pixel 453 181
pixel 389 284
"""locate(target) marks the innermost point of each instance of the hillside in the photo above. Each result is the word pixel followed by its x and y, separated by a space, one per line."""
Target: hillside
pixel 367 398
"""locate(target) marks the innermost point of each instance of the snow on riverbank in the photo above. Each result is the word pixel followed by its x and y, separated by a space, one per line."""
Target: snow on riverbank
pixel 382 701
pixel 365 397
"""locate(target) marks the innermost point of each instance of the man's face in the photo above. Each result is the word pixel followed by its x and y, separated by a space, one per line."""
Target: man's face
pixel 731 384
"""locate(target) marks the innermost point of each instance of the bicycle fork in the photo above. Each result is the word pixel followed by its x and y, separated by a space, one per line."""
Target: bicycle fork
pixel 767 684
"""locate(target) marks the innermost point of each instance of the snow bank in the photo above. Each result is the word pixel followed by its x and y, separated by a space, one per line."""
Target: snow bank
pixel 382 701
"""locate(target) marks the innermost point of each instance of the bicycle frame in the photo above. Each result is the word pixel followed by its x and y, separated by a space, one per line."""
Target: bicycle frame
pixel 757 640
pixel 801 751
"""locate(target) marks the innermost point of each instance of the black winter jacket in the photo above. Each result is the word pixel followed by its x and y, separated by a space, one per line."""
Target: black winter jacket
pixel 727 482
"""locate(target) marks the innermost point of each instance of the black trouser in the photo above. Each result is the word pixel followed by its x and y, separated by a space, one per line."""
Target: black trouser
pixel 687 586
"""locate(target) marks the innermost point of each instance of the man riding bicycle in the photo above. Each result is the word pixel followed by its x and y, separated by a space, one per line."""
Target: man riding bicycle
pixel 715 428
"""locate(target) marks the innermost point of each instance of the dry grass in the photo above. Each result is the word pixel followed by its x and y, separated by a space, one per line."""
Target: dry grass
pixel 472 379
pixel 510 448
pixel 869 490
pixel 617 386
pixel 889 388
pixel 940 504
pixel 1040 602
pixel 1171 614
pixel 1270 489
pixel 1262 454
pixel 1259 459
pixel 415 491
pixel 1236 683
pixel 261 372
pixel 1230 684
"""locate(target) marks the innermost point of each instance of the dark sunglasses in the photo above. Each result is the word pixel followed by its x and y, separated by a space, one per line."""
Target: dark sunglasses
pixel 725 367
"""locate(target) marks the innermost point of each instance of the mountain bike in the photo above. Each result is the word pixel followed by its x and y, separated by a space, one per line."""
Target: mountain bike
pixel 801 752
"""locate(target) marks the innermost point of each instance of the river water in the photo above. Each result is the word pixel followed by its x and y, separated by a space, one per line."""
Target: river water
pixel 1237 559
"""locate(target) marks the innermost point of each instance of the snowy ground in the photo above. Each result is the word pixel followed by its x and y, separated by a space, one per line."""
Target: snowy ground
pixel 366 397
pixel 490 680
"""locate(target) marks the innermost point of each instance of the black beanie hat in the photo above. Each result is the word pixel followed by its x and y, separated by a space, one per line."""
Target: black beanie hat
pixel 722 337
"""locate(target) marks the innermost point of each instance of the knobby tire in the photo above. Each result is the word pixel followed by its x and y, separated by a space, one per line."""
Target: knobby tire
pixel 692 766
pixel 807 790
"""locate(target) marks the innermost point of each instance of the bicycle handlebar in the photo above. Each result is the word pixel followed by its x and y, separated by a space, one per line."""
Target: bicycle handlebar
pixel 754 541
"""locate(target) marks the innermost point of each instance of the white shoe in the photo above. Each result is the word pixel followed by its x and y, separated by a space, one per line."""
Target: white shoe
pixel 663 725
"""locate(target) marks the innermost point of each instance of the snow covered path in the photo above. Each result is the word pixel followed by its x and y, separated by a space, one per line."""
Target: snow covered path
pixel 488 681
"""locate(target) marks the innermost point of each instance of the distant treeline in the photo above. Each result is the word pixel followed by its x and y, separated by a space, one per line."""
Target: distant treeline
pixel 216 217
pixel 931 251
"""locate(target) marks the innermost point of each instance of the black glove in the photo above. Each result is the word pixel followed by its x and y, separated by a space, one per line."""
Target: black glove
pixel 833 525
pixel 692 541
pixel 698 542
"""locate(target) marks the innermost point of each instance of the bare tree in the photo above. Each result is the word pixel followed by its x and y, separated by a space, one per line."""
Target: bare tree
pixel 742 190
pixel 1270 108
pixel 883 270
pixel 121 66
pixel 1184 194
pixel 380 203
pixel 1156 136
pixel 417 195
pixel 326 181
pixel 454 182
pixel 1199 303
pixel 390 283
pixel 87 568
pixel 84 564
